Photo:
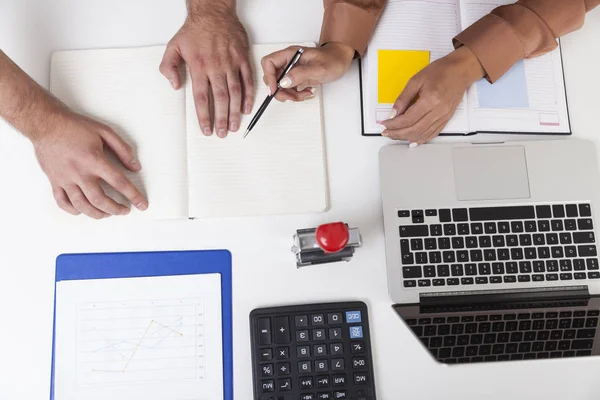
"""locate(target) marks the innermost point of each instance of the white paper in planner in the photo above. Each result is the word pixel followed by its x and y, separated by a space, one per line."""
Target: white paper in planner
pixel 124 89
pixel 151 338
pixel 278 169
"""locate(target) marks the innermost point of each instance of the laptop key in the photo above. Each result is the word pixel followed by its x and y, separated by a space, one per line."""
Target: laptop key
pixel 572 210
pixel 416 244
pixel 498 268
pixel 495 279
pixel 484 269
pixel 585 224
pixel 460 214
pixel 571 225
pixel 530 226
pixel 410 283
pixel 503 254
pixel 566 265
pixel 435 257
pixel 583 237
pixel 570 251
pixel 587 251
pixel 470 269
pixel 421 258
pixel 457 270
pixel 539 239
pixel 458 242
pixel 594 275
pixel 566 276
pixel 524 278
pixel 471 242
pixel 424 282
pixel 443 243
pixel 592 264
pixel 411 272
pixel 512 240
pixel 436 230
pixel 525 267
pixel 431 213
pixel 511 268
pixel 552 266
pixel 462 256
pixel 558 210
pixel 503 227
pixel 443 270
pixel 485 241
pixel 463 229
pixel 565 238
pixel 452 281
pixel 429 271
pixel 538 266
pixel 538 277
pixel 414 231
pixel 476 228
pixel 449 229
pixel 510 279
pixel 543 211
pixel 544 226
pixel 440 282
pixel 501 213
pixel 466 281
pixel 481 280
pixel 516 226
pixel 403 214
pixel 490 228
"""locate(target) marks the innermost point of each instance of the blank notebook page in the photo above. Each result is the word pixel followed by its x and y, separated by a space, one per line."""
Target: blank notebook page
pixel 278 169
pixel 124 89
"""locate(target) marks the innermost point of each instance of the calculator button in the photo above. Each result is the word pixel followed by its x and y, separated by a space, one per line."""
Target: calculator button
pixel 268 386
pixel 301 321
pixel 284 385
pixel 267 370
pixel 337 364
pixel 304 367
pixel 302 336
pixel 356 332
pixel 317 319
pixel 336 349
pixel 283 369
pixel 324 396
pixel 339 380
pixel 321 366
pixel 264 329
pixel 266 355
pixel 318 334
pixel 360 379
pixel 335 333
pixel 282 353
pixel 358 347
pixel 353 317
pixel 307 396
pixel 306 383
pixel 281 327
pixel 359 363
pixel 320 350
pixel 322 381
pixel 303 351
pixel 342 394
pixel 334 318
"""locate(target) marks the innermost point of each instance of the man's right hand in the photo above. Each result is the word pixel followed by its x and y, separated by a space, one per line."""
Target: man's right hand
pixel 215 47
pixel 71 153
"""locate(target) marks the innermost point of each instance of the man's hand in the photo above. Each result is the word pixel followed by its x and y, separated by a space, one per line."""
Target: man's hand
pixel 71 153
pixel 316 66
pixel 215 47
pixel 431 97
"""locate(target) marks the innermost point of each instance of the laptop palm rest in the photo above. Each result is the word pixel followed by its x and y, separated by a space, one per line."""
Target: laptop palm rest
pixel 490 173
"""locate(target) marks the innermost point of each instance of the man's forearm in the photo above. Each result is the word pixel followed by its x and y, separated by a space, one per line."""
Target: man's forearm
pixel 23 103
pixel 201 8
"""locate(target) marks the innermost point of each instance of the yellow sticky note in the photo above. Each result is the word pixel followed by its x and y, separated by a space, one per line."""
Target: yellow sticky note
pixel 396 67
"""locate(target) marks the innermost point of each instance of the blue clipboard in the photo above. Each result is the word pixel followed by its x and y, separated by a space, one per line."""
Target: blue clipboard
pixel 138 265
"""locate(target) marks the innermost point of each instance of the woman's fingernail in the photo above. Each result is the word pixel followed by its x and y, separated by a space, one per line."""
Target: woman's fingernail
pixel 233 127
pixel 413 145
pixel 286 82
pixel 136 164
pixel 222 133
pixel 393 113
pixel 385 133
pixel 247 109
pixel 313 90
pixel 142 206
pixel 207 131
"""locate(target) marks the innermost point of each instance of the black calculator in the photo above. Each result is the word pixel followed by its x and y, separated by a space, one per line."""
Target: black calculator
pixel 312 352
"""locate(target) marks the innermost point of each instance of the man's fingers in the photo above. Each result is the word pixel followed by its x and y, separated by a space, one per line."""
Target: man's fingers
pixel 63 201
pixel 123 185
pixel 97 198
pixel 200 88
pixel 220 91
pixel 169 66
pixel 247 87
pixel 81 203
pixel 123 151
pixel 235 100
pixel 294 95
pixel 275 62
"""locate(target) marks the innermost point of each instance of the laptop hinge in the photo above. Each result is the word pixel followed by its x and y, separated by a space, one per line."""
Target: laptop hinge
pixel 473 297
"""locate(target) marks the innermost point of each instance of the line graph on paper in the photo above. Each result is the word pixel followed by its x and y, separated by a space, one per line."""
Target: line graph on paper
pixel 140 341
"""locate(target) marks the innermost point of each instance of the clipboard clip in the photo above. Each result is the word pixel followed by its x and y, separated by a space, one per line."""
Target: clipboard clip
pixel 327 243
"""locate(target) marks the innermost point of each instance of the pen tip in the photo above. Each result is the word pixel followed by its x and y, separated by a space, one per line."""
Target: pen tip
pixel 246 133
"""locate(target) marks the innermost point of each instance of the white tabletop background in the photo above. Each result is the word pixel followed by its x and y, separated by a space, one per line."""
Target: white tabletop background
pixel 264 272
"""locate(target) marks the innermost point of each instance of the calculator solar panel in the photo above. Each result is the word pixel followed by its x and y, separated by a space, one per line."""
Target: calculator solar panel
pixel 312 352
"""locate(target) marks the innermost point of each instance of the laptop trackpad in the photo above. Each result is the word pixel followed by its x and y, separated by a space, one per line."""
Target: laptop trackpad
pixel 490 173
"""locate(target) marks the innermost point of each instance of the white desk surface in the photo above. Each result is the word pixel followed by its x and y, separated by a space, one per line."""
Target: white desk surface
pixel 264 270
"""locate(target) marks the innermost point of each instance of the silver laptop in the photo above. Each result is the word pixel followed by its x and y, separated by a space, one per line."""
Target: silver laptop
pixel 490 248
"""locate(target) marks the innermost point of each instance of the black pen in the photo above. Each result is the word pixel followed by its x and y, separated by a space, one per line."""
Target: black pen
pixel 265 103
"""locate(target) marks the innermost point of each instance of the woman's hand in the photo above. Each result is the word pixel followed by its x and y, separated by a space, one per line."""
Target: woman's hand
pixel 431 97
pixel 316 66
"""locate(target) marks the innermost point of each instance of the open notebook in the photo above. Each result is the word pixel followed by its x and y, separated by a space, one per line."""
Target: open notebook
pixel 530 98
pixel 278 169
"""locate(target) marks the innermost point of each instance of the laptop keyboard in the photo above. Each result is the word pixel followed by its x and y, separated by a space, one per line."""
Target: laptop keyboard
pixel 508 336
pixel 493 245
